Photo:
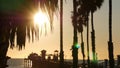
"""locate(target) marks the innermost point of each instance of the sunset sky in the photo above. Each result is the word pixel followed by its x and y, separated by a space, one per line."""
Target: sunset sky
pixel 51 41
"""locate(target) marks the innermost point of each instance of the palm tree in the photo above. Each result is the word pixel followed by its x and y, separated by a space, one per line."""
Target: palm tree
pixel 75 38
pixel 94 5
pixel 84 11
pixel 15 21
pixel 80 30
pixel 110 43
pixel 81 21
pixel 87 7
pixel 88 53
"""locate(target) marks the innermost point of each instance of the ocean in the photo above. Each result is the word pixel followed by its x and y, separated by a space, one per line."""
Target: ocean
pixel 19 63
pixel 15 63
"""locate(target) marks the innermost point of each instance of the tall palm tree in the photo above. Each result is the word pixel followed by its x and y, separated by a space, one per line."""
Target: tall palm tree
pixel 94 5
pixel 84 11
pixel 75 38
pixel 16 20
pixel 81 21
pixel 80 30
pixel 90 6
pixel 110 43
pixel 88 52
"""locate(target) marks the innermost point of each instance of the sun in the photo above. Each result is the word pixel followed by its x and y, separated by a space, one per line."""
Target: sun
pixel 40 18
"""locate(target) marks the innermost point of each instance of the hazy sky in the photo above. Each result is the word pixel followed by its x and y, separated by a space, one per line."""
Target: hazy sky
pixel 50 42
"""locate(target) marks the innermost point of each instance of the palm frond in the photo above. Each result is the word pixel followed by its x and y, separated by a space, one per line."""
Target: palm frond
pixel 49 7
pixel 21 35
pixel 21 25
pixel 99 3
pixel 12 37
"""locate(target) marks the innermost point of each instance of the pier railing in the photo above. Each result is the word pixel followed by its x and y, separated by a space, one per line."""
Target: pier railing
pixel 27 63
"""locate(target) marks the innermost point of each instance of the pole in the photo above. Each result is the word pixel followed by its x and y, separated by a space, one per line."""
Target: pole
pixel 61 35
pixel 110 43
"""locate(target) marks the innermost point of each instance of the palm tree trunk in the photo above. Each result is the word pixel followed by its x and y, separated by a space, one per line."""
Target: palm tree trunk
pixel 82 49
pixel 110 43
pixel 93 37
pixel 75 39
pixel 94 62
pixel 61 35
pixel 75 50
pixel 88 57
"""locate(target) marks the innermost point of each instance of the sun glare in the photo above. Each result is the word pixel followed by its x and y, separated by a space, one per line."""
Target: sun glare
pixel 41 19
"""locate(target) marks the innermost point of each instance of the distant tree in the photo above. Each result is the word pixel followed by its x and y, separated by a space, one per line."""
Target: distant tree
pixel 16 21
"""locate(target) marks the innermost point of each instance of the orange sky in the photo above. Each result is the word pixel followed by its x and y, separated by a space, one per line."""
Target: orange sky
pixel 50 42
